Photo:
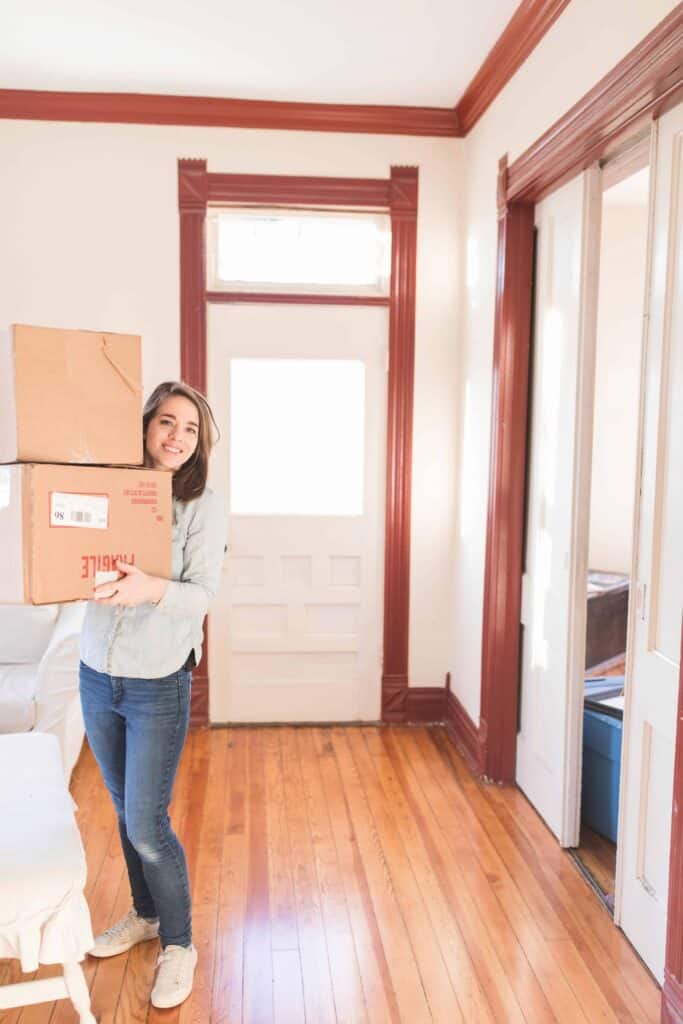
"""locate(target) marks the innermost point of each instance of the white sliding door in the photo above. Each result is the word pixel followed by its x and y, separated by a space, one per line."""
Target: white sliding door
pixel 562 362
pixel 655 620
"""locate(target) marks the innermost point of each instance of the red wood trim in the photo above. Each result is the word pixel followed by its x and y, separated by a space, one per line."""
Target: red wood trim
pixel 672 992
pixel 298 298
pixel 214 112
pixel 425 704
pixel 404 188
pixel 672 1000
pixel 647 81
pixel 192 199
pixel 503 566
pixel 399 194
pixel 293 190
pixel 199 701
pixel 521 36
pixel 463 732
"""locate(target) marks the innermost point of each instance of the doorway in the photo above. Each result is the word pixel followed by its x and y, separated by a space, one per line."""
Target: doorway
pixel 300 393
pixel 614 474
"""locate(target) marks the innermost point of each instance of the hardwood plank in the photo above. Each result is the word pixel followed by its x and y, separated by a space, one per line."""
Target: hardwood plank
pixel 599 856
pixel 283 925
pixel 380 999
pixel 288 994
pixel 398 949
pixel 229 964
pixel 258 959
pixel 344 969
pixel 315 966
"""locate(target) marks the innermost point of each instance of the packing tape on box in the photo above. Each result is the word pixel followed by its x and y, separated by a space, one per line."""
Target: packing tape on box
pixel 133 385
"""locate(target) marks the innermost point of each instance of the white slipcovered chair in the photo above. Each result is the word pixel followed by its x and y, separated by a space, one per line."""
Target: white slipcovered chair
pixel 44 918
pixel 39 654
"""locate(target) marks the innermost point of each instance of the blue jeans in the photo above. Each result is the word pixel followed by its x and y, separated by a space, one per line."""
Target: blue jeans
pixel 136 729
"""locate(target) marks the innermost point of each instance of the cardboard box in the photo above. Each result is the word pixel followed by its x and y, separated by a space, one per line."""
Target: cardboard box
pixel 62 524
pixel 70 396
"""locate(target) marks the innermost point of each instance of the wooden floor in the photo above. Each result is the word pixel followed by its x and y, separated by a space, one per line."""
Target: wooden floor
pixel 358 875
pixel 599 856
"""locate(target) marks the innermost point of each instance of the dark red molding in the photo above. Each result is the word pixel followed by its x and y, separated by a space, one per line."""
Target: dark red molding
pixel 214 112
pixel 403 205
pixel 298 190
pixel 521 36
pixel 425 704
pixel 503 565
pixel 672 991
pixel 297 299
pixel 399 195
pixel 646 82
pixel 463 732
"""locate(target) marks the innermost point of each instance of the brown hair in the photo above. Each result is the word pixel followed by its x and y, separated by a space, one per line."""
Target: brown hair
pixel 190 480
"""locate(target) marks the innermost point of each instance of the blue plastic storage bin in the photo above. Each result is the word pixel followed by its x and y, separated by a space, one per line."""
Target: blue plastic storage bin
pixel 601 765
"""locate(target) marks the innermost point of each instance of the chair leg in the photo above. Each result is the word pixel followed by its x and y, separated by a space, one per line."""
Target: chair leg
pixel 77 988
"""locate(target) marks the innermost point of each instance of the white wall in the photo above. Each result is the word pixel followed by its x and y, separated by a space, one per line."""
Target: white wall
pixel 586 41
pixel 617 385
pixel 89 238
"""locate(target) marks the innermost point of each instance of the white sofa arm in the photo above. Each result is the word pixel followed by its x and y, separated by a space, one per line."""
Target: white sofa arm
pixel 58 707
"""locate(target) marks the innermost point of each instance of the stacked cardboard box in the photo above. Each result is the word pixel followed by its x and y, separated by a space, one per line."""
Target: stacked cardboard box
pixel 74 495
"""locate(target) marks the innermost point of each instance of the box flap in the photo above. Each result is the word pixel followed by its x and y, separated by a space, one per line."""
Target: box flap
pixel 78 396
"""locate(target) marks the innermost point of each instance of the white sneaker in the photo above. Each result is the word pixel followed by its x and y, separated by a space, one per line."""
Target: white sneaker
pixel 125 934
pixel 173 982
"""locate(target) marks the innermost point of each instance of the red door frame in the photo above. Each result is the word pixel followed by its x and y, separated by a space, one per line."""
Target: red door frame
pixel 646 82
pixel 398 195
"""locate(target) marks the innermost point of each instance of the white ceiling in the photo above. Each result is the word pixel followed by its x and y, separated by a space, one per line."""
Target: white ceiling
pixel 412 52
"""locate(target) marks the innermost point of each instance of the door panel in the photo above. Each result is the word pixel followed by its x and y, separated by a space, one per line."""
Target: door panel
pixel 296 630
pixel 655 620
pixel 567 224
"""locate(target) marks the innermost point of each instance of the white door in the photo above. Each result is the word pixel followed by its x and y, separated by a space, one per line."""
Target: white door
pixel 655 622
pixel 563 358
pixel 300 394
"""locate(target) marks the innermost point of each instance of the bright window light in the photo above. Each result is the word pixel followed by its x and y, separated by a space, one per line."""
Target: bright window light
pixel 297 433
pixel 300 250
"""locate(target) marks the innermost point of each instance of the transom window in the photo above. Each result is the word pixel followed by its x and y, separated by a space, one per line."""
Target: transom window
pixel 307 251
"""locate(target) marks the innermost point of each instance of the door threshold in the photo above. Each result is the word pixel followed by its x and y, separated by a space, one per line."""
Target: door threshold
pixel 607 899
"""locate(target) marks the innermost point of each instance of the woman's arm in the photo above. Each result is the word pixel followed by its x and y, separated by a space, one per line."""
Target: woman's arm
pixel 203 557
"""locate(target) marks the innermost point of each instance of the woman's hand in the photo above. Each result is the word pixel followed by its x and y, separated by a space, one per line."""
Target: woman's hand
pixel 134 587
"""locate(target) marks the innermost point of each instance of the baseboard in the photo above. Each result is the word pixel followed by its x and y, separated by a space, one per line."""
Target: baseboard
pixel 672 1000
pixel 425 704
pixel 463 732
pixel 199 702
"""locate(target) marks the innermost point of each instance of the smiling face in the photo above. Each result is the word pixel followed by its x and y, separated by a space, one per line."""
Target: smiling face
pixel 172 434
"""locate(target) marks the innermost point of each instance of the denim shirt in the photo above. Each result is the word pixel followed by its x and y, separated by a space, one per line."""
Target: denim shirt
pixel 149 641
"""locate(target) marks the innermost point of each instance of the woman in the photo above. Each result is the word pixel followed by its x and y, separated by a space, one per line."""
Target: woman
pixel 141 637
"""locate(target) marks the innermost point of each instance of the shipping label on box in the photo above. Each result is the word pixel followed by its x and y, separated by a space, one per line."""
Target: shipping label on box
pixel 65 524
pixel 70 397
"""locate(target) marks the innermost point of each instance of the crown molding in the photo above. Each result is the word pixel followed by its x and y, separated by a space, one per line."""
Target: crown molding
pixel 212 112
pixel 521 36
pixel 645 83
